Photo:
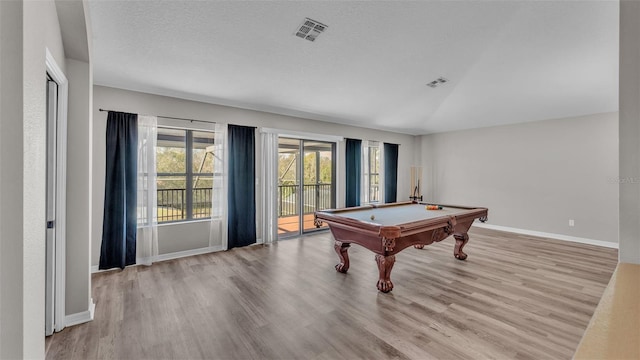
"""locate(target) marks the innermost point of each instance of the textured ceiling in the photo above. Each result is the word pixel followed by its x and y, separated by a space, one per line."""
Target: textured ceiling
pixel 506 61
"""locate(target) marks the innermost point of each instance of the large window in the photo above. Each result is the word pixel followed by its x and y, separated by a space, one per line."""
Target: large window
pixel 184 161
pixel 371 173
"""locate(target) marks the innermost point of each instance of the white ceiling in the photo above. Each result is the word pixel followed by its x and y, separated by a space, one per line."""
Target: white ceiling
pixel 506 61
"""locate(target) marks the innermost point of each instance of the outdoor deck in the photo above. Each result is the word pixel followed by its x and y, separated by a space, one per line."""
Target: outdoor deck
pixel 290 224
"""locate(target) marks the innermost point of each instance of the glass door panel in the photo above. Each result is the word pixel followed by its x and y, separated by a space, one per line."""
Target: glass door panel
pixel 288 187
pixel 319 185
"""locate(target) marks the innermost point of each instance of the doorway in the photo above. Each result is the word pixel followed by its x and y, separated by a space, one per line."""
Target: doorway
pixel 57 92
pixel 52 104
pixel 306 183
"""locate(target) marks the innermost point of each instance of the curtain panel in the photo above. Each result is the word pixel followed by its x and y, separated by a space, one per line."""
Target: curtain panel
pixel 147 197
pixel 242 197
pixel 390 173
pixel 119 226
pixel 218 236
pixel 269 187
pixel 353 173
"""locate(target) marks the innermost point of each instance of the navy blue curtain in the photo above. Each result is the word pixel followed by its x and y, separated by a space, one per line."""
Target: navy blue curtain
pixel 118 247
pixel 353 171
pixel 242 196
pixel 390 172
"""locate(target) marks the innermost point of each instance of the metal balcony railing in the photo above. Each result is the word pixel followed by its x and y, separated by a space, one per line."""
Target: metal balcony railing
pixel 314 196
pixel 172 204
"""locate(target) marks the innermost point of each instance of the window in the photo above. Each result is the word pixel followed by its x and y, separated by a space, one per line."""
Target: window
pixel 184 162
pixel 371 173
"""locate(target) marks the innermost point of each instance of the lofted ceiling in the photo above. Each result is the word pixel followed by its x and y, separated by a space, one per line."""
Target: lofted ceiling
pixel 505 61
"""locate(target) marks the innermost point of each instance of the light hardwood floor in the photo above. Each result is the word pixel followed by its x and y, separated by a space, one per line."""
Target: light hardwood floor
pixel 515 297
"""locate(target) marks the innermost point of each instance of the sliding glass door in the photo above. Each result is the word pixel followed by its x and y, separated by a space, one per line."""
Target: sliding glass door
pixel 306 183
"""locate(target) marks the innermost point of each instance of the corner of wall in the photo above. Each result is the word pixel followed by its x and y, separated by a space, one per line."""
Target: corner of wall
pixel 79 188
pixel 81 317
pixel 629 133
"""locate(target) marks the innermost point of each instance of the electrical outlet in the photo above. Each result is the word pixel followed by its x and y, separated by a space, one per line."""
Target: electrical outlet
pixel 571 222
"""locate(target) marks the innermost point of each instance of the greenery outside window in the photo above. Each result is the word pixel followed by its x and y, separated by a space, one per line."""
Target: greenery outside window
pixel 184 165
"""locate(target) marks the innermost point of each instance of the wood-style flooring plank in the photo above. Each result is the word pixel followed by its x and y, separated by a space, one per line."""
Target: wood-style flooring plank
pixel 515 297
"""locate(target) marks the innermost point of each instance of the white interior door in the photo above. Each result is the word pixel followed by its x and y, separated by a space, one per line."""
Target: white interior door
pixel 50 272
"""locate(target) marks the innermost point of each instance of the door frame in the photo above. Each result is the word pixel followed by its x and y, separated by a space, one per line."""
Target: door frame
pixel 300 192
pixel 57 75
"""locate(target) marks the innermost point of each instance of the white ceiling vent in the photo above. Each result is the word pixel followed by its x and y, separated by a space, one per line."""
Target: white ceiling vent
pixel 437 82
pixel 310 29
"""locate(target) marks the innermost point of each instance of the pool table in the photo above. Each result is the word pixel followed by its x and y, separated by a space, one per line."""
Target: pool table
pixel 388 229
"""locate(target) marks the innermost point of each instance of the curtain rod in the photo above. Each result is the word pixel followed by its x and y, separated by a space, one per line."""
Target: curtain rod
pixel 172 117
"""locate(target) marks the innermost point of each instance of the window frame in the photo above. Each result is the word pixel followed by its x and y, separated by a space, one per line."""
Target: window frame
pixel 368 149
pixel 188 175
pixel 371 174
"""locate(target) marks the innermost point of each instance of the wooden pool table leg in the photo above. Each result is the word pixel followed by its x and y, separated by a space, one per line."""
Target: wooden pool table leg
pixel 461 241
pixel 385 264
pixel 341 249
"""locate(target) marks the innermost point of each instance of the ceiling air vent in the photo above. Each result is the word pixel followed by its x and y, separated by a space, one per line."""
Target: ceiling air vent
pixel 437 82
pixel 310 29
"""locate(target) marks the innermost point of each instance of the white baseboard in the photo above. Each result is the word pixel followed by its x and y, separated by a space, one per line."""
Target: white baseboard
pixel 81 317
pixel 95 269
pixel 181 254
pixel 607 244
pixel 171 256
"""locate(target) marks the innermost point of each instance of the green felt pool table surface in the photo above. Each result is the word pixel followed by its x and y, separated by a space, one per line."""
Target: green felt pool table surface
pixel 400 214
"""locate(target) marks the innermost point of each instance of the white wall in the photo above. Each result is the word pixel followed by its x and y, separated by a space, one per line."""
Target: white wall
pixel 28 28
pixel 11 114
pixel 34 168
pixel 533 176
pixel 122 100
pixel 629 132
pixel 1 188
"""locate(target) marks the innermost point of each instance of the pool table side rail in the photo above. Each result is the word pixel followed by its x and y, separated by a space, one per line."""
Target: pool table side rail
pixel 385 205
pixel 463 217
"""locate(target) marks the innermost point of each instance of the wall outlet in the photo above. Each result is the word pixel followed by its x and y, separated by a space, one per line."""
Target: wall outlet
pixel 571 222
